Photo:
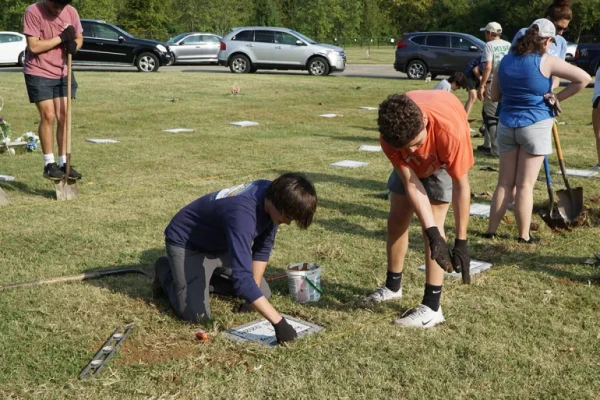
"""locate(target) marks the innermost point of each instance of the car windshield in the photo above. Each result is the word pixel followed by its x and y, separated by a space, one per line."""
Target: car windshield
pixel 301 36
pixel 177 38
pixel 478 42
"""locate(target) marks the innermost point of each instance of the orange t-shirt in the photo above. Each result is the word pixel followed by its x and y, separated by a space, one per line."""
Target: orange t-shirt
pixel 448 142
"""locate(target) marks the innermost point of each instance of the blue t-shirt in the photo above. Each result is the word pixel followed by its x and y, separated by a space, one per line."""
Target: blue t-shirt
pixel 523 88
pixel 558 49
pixel 233 221
pixel 475 62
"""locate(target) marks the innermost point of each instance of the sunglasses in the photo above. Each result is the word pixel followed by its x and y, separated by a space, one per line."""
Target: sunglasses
pixel 560 29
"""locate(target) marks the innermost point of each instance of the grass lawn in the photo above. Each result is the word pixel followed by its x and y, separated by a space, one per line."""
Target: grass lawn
pixel 527 329
pixel 374 55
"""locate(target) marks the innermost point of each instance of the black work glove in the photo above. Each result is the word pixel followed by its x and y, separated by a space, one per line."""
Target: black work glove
pixel 71 47
pixel 245 308
pixel 284 332
pixel 552 101
pixel 439 248
pixel 461 259
pixel 68 35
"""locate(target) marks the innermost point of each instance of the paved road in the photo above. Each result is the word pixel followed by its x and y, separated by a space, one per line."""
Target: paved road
pixel 384 71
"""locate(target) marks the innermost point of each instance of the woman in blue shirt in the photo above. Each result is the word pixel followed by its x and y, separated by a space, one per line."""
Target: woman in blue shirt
pixel 524 85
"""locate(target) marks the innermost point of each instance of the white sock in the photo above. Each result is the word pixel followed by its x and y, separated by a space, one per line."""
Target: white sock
pixel 62 160
pixel 48 159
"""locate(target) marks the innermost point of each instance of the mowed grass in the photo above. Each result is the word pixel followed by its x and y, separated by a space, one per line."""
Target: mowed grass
pixel 528 328
pixel 384 54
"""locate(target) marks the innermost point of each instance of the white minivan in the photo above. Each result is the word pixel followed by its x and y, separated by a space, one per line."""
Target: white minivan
pixel 12 48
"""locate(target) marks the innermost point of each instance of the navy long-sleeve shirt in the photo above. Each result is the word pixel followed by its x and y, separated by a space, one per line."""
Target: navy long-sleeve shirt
pixel 231 220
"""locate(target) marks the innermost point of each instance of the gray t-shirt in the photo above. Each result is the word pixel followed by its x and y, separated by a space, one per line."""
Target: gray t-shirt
pixel 494 51
pixel 443 85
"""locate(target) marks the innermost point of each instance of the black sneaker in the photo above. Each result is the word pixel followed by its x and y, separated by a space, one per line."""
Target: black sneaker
pixel 484 149
pixel 489 235
pixel 159 266
pixel 51 171
pixel 531 240
pixel 72 173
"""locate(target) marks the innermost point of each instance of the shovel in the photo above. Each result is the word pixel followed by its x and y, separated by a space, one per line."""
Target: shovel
pixel 552 218
pixel 66 188
pixel 570 201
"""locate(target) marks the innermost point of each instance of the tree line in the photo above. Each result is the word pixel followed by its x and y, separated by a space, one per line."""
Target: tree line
pixel 319 19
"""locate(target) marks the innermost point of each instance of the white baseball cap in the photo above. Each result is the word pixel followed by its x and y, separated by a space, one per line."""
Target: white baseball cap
pixel 493 27
pixel 546 29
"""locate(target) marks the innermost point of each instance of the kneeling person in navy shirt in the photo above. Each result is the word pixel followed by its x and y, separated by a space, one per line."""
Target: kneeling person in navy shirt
pixel 221 243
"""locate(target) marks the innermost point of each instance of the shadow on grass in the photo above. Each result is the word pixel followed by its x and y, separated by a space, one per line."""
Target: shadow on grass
pixel 23 187
pixel 511 254
pixel 373 138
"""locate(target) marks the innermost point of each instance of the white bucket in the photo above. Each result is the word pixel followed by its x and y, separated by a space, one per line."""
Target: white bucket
pixel 300 289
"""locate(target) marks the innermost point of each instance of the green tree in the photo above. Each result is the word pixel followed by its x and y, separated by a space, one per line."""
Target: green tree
pixel 146 18
pixel 266 13
pixel 11 14
pixel 586 14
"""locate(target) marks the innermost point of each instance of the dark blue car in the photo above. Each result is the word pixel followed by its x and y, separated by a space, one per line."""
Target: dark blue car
pixel 437 53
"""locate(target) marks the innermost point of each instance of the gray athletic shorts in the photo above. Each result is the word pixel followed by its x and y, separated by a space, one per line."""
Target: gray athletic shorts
pixel 535 139
pixel 596 97
pixel 437 185
pixel 40 88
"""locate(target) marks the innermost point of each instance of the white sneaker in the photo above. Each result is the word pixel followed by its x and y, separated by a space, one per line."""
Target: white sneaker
pixel 383 294
pixel 596 167
pixel 420 317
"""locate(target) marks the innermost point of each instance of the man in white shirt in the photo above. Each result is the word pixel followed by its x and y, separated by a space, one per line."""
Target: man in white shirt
pixel 494 50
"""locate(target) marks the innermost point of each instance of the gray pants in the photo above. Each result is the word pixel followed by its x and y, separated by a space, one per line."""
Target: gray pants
pixel 490 137
pixel 190 278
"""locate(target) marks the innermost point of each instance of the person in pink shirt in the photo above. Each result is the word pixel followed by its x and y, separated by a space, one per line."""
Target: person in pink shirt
pixel 53 30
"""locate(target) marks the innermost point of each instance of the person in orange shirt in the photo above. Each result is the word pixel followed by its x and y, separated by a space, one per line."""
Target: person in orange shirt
pixel 425 135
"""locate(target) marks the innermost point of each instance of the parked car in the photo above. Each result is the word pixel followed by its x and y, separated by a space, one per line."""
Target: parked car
pixel 571 49
pixel 419 53
pixel 250 48
pixel 12 48
pixel 195 47
pixel 587 57
pixel 107 44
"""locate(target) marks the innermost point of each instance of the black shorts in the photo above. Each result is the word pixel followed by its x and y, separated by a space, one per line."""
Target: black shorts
pixel 40 88
pixel 472 83
pixel 595 105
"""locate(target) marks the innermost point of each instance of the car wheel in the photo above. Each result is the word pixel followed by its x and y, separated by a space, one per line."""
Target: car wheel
pixel 318 66
pixel 21 59
pixel 416 69
pixel 147 62
pixel 240 64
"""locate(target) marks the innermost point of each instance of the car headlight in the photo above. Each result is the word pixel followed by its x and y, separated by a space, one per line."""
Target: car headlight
pixel 161 48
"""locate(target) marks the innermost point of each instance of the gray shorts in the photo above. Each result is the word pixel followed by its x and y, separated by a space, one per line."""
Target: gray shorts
pixel 40 88
pixel 535 139
pixel 437 185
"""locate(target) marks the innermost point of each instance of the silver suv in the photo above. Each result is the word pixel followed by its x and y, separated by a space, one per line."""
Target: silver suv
pixel 247 49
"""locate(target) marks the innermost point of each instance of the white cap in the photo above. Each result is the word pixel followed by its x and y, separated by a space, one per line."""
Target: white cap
pixel 545 27
pixel 493 27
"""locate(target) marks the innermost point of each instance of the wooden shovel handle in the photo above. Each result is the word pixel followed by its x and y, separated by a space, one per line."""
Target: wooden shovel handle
pixel 69 87
pixel 561 161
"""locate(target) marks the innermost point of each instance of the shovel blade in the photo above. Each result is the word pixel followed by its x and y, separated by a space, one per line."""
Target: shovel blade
pixel 3 198
pixel 66 189
pixel 570 203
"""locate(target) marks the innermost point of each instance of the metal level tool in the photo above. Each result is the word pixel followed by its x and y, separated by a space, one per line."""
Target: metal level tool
pixel 107 350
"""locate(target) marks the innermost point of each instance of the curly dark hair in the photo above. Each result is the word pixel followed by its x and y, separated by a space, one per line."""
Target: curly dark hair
pixel 459 78
pixel 529 43
pixel 559 9
pixel 62 2
pixel 400 120
pixel 294 197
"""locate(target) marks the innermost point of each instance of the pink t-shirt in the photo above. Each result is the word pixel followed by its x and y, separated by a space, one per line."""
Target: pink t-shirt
pixel 38 22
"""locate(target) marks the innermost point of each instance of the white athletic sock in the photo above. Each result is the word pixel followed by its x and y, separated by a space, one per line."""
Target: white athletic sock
pixel 48 159
pixel 62 160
